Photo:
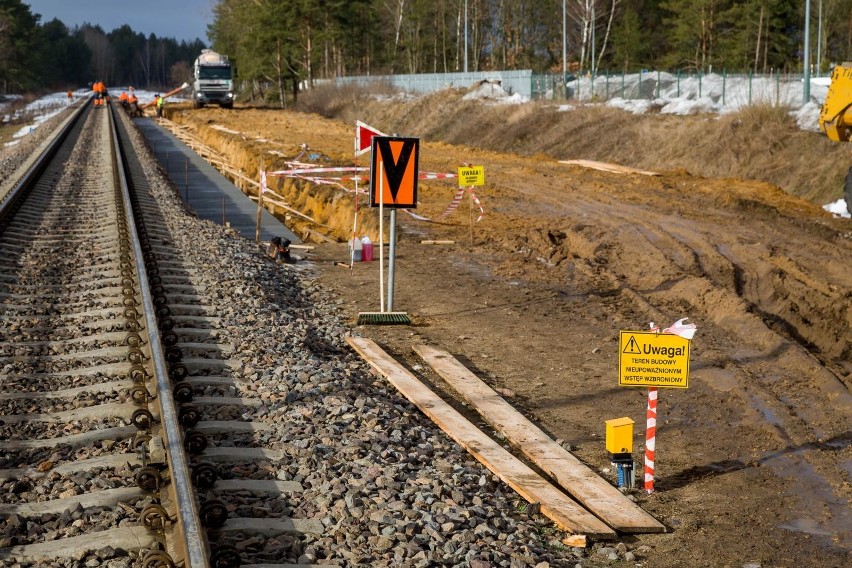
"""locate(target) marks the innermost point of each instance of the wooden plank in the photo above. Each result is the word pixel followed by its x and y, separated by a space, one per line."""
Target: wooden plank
pixel 317 235
pixel 574 476
pixel 607 167
pixel 555 505
pixel 575 540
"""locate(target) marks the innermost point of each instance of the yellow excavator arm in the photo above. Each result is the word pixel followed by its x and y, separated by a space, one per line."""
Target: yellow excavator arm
pixel 835 118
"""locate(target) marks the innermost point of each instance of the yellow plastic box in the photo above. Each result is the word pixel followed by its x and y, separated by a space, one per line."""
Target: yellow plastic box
pixel 619 436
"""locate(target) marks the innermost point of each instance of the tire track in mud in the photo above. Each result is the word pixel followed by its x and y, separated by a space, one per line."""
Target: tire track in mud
pixel 775 329
pixel 761 437
pixel 661 259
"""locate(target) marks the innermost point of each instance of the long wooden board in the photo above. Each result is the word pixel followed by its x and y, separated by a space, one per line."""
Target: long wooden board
pixel 557 506
pixel 607 167
pixel 574 476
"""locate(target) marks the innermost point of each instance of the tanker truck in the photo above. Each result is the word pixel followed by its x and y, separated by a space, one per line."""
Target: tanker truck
pixel 212 80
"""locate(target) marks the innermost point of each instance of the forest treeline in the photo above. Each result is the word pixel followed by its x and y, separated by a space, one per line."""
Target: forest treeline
pixel 36 55
pixel 284 42
pixel 278 45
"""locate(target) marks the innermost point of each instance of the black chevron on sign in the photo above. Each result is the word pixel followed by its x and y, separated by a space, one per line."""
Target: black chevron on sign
pixel 395 170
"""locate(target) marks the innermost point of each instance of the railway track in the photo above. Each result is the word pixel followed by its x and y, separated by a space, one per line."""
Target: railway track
pixel 110 368
pixel 170 397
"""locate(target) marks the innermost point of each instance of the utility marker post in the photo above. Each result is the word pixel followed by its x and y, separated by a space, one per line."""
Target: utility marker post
pixel 472 176
pixel 364 134
pixel 654 360
pixel 393 184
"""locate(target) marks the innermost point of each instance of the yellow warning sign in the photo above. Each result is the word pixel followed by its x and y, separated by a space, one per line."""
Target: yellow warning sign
pixel 471 175
pixel 651 359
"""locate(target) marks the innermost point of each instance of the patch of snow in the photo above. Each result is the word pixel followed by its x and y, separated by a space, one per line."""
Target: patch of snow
pixel 807 117
pixel 398 97
pixel 635 106
pixel 515 99
pixel 493 92
pixel 838 208
pixel 684 107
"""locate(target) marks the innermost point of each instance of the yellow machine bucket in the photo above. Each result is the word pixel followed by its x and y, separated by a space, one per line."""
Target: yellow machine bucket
pixel 835 118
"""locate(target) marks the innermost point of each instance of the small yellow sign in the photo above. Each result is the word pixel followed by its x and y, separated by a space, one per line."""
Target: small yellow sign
pixel 651 359
pixel 471 175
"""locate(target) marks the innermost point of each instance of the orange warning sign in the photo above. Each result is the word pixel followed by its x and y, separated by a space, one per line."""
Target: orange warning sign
pixel 393 171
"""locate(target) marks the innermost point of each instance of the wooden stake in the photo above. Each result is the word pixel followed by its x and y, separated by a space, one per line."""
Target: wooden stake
pixel 470 215
pixel 259 206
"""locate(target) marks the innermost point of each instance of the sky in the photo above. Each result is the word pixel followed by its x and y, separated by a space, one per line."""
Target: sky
pixel 183 20
pixel 712 94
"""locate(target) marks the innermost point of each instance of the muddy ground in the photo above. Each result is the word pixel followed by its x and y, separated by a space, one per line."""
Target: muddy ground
pixel 754 459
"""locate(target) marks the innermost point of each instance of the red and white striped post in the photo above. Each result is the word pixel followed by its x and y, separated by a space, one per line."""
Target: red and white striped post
pixel 650 439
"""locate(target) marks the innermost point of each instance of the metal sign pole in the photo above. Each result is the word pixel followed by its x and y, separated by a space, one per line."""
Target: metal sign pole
pixel 391 258
pixel 402 182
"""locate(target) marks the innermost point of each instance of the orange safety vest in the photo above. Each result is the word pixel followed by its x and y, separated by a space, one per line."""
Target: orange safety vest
pixel 122 96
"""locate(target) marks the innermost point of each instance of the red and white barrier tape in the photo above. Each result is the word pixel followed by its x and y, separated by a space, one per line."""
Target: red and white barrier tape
pixel 687 331
pixel 299 170
pixel 418 217
pixel 478 204
pixel 263 187
pixel 312 170
pixel 455 203
pixel 435 175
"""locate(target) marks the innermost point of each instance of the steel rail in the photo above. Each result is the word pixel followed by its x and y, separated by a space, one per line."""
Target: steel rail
pixel 194 541
pixel 8 200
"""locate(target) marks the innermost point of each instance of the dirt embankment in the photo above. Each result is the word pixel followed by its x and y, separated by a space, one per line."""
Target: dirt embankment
pixel 754 457
pixel 760 143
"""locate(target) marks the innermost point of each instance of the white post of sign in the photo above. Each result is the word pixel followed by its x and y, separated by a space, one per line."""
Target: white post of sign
pixel 354 220
pixel 381 240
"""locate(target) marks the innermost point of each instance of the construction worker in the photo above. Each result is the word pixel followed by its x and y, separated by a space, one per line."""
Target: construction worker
pixel 161 102
pixel 99 88
pixel 133 103
pixel 279 249
pixel 123 100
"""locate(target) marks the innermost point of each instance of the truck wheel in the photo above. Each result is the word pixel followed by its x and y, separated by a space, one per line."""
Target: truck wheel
pixel 847 191
pixel 196 104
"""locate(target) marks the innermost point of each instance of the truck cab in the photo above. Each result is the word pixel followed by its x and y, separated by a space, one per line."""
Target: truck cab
pixel 212 80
